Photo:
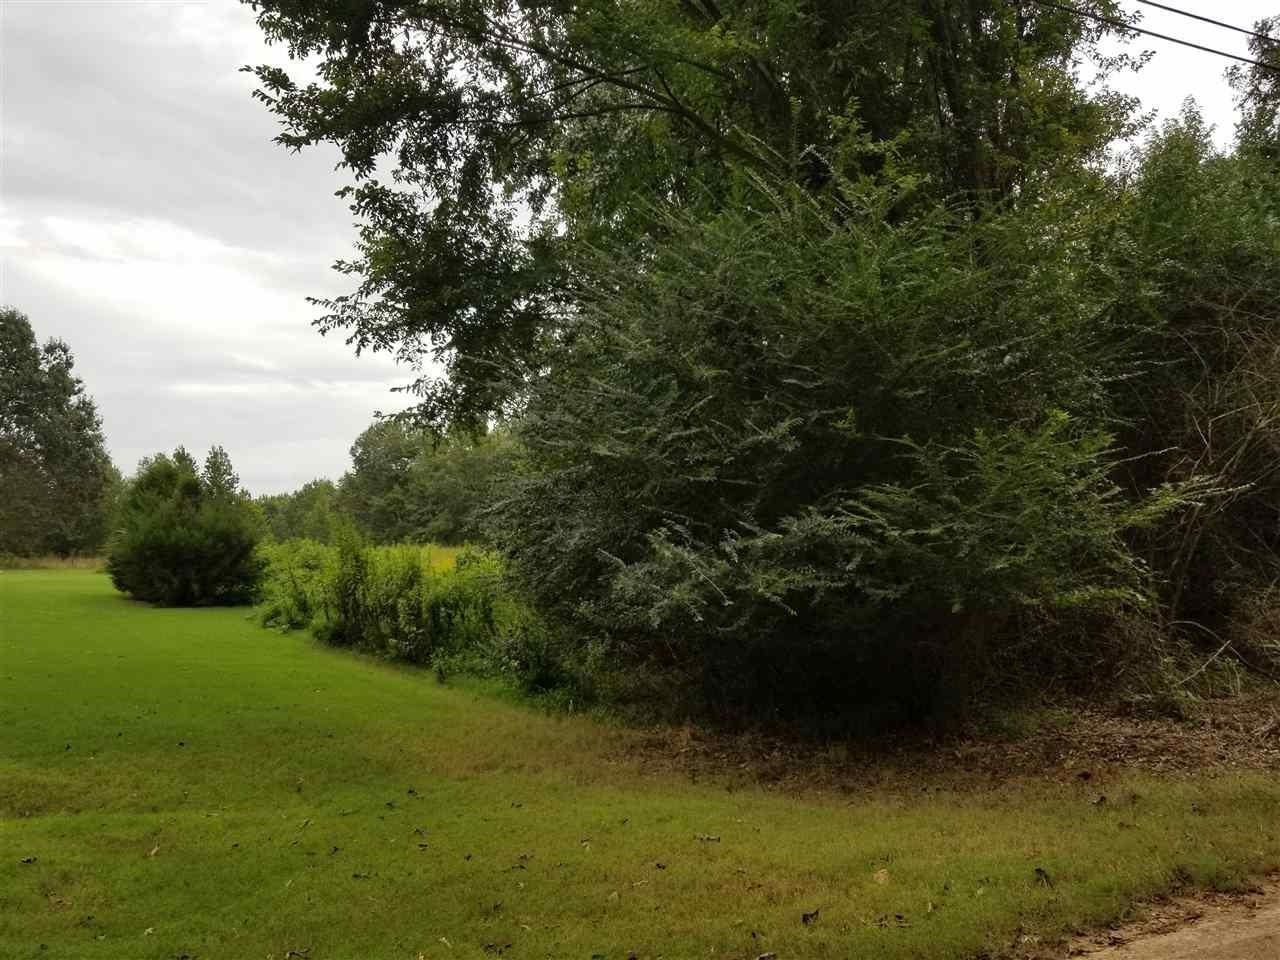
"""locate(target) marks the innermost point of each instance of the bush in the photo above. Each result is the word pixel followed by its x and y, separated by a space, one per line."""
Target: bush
pixel 295 574
pixel 816 460
pixel 397 602
pixel 186 537
pixel 1196 265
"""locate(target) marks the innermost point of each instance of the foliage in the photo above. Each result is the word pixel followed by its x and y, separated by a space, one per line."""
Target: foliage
pixel 848 364
pixel 186 536
pixel 1257 89
pixel 459 118
pixel 308 513
pixel 295 576
pixel 797 440
pixel 57 483
pixel 398 602
pixel 1194 262
pixel 407 484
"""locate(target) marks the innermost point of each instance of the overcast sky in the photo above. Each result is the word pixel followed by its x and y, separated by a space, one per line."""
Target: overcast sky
pixel 147 218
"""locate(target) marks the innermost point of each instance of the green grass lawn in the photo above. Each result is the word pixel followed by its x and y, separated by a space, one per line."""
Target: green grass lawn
pixel 183 783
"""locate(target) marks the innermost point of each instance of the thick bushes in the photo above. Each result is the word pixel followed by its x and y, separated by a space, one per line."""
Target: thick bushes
pixel 395 602
pixel 186 537
pixel 816 457
pixel 295 578
pixel 1196 265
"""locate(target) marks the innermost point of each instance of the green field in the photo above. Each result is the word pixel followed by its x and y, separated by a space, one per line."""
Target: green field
pixel 183 783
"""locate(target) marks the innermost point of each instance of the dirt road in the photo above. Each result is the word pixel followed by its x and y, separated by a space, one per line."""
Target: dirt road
pixel 1218 928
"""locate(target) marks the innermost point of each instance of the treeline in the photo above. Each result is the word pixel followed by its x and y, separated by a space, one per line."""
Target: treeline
pixel 406 484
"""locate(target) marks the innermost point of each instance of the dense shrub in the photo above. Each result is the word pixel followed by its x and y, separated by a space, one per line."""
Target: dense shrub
pixel 186 537
pixel 294 581
pixel 820 459
pixel 1195 262
pixel 815 457
pixel 396 602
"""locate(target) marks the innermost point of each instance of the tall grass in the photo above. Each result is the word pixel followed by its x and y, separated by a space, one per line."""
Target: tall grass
pixel 444 607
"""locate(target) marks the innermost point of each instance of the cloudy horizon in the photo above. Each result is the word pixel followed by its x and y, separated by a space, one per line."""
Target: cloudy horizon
pixel 147 219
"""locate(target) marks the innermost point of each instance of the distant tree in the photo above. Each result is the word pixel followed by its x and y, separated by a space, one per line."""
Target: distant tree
pixel 309 512
pixel 219 477
pixel 1257 88
pixel 373 492
pixel 56 480
pixel 453 486
pixel 186 536
pixel 407 484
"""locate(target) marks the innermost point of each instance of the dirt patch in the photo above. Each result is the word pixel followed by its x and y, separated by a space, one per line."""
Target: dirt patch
pixel 1065 742
pixel 1205 927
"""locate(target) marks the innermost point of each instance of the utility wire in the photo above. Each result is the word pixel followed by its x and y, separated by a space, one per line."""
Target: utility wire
pixel 1121 25
pixel 1216 23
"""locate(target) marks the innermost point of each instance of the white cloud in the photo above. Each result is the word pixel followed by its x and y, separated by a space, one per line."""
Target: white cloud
pixel 253 363
pixel 11 234
pixel 355 389
pixel 135 240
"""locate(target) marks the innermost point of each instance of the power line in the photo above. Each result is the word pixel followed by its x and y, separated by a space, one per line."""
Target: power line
pixel 1121 25
pixel 1216 23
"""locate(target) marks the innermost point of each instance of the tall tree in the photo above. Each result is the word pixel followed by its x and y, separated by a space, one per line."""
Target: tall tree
pixel 407 484
pixel 219 476
pixel 488 140
pixel 55 475
pixel 374 491
pixel 1257 89
pixel 310 512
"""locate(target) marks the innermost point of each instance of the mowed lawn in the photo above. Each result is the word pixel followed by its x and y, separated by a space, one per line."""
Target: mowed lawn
pixel 183 783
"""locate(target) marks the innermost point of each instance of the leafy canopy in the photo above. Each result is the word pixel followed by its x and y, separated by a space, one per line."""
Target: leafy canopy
pixel 407 484
pixel 56 479
pixel 489 140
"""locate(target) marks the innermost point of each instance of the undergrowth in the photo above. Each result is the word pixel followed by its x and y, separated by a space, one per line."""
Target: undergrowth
pixel 444 608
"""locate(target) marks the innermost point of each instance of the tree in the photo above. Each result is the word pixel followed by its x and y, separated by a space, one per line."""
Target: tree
pixel 374 491
pixel 186 536
pixel 219 477
pixel 308 513
pixel 1192 262
pixel 460 120
pixel 56 479
pixel 407 484
pixel 1257 89
pixel 837 350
